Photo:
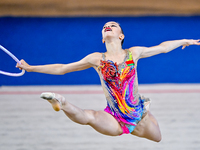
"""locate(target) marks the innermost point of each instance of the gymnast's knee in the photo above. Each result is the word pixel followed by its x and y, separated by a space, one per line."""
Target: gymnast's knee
pixel 158 139
pixel 90 117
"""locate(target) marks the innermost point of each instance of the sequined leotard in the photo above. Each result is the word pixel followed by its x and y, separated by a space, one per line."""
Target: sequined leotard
pixel 118 83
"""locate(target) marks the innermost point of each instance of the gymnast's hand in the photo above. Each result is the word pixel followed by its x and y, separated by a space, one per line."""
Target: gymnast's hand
pixel 191 42
pixel 24 65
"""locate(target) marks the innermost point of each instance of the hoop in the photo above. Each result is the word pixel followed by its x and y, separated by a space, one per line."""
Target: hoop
pixel 15 58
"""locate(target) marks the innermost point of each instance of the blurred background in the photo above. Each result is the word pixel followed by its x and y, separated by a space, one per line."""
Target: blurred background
pixel 64 31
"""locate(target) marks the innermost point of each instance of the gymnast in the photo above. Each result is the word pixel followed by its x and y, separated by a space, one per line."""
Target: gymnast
pixel 127 112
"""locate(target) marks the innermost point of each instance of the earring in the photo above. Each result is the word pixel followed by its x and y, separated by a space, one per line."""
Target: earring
pixel 103 41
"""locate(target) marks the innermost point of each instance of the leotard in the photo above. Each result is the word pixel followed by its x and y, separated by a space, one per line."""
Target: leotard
pixel 123 101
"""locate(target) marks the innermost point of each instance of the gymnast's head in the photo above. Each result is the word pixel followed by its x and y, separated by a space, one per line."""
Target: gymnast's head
pixel 112 29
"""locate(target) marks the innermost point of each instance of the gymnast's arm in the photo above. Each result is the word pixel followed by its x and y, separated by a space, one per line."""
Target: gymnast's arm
pixel 164 47
pixel 90 60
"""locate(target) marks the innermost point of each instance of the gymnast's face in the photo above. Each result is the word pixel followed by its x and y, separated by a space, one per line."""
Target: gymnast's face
pixel 111 29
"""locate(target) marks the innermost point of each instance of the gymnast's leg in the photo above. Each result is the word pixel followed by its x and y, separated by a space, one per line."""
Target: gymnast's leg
pixel 148 128
pixel 99 120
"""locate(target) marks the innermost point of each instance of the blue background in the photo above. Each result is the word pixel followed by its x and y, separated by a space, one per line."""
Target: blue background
pixel 64 40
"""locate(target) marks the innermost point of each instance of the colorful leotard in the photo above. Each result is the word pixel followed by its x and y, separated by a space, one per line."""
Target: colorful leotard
pixel 123 101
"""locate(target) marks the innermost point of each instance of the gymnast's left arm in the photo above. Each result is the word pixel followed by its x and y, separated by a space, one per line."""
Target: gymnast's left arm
pixel 164 47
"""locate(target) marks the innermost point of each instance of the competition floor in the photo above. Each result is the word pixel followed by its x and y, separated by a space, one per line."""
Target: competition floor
pixel 28 122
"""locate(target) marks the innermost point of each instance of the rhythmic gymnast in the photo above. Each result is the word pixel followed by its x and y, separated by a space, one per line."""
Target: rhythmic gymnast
pixel 126 111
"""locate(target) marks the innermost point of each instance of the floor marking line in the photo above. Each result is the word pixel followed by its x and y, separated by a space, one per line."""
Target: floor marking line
pixel 99 92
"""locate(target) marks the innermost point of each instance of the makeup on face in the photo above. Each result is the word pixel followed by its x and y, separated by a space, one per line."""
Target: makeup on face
pixel 108 26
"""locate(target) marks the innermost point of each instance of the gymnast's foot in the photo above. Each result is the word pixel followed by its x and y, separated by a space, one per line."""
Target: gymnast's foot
pixel 147 102
pixel 56 100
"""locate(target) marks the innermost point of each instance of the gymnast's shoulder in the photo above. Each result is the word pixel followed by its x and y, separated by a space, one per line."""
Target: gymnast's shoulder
pixel 94 58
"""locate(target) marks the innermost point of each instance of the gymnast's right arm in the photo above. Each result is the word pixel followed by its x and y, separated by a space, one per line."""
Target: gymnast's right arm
pixel 90 60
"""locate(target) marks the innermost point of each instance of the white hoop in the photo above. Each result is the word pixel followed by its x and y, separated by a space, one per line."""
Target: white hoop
pixel 15 58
